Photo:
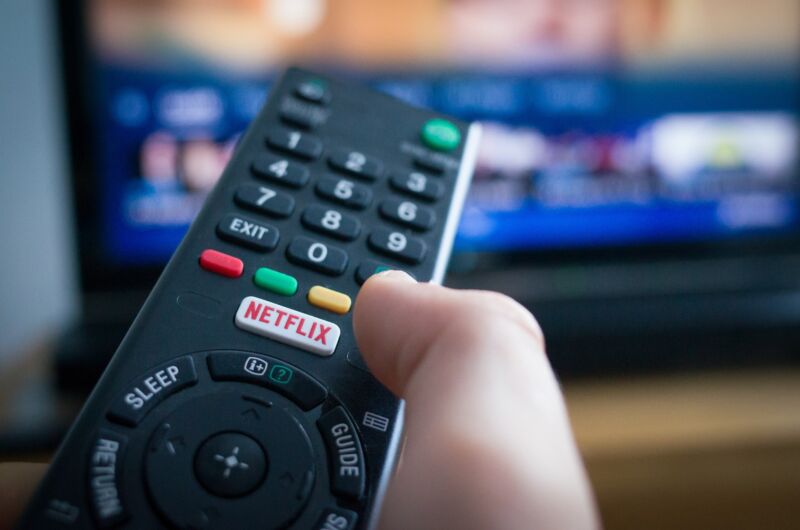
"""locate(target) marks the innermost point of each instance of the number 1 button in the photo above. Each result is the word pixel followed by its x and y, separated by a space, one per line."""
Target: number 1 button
pixel 295 143
pixel 317 256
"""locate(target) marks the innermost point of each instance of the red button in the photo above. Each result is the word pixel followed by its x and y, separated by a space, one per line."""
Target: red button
pixel 223 264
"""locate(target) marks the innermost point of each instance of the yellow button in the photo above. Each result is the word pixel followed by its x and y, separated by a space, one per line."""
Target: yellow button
pixel 329 299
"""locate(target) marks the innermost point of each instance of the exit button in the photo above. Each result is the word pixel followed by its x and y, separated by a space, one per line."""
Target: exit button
pixel 441 135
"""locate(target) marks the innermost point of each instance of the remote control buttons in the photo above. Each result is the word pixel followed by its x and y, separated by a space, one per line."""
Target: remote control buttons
pixel 336 519
pixel 355 163
pixel 151 389
pixel 344 453
pixel 248 233
pixel 230 464
pixel 288 326
pixel 104 473
pixel 296 117
pixel 441 135
pixel 435 163
pixel 331 222
pixel 197 478
pixel 296 143
pixel 317 256
pixel 314 91
pixel 367 268
pixel 418 184
pixel 264 200
pixel 397 245
pixel 220 263
pixel 408 214
pixel 301 114
pixel 276 169
pixel 269 373
pixel 275 281
pixel 345 192
pixel 329 299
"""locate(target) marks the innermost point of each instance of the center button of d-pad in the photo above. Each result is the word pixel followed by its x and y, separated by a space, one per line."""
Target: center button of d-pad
pixel 230 464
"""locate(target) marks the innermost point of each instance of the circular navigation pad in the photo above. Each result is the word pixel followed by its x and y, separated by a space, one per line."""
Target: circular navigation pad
pixel 219 459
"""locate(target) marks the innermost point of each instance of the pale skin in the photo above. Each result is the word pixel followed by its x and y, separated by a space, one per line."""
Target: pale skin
pixel 488 442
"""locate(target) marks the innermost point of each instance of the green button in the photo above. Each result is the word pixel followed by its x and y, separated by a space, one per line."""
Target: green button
pixel 281 374
pixel 441 135
pixel 275 281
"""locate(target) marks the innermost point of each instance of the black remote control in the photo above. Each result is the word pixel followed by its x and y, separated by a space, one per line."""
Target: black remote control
pixel 238 398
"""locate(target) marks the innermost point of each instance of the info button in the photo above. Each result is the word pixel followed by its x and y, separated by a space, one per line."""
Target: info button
pixel 151 389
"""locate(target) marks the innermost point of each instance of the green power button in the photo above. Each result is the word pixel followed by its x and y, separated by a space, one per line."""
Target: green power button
pixel 441 135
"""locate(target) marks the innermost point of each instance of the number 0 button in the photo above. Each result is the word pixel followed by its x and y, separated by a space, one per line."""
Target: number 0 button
pixel 317 256
pixel 332 222
pixel 397 245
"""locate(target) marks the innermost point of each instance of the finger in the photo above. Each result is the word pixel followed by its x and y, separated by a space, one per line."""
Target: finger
pixel 488 440
pixel 17 483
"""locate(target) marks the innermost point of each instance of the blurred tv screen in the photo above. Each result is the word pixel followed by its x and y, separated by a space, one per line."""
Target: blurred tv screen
pixel 606 122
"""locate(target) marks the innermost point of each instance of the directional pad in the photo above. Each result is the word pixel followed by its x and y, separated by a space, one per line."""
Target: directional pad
pixel 229 456
pixel 230 464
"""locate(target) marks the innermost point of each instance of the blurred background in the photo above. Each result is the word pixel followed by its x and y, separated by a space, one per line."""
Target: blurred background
pixel 636 188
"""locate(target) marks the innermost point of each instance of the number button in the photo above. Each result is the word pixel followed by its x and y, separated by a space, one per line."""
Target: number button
pixel 317 256
pixel 280 170
pixel 418 184
pixel 345 192
pixel 264 200
pixel 295 143
pixel 331 222
pixel 397 245
pixel 408 213
pixel 356 163
pixel 248 232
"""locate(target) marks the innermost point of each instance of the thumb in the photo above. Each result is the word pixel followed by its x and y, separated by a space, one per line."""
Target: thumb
pixel 488 440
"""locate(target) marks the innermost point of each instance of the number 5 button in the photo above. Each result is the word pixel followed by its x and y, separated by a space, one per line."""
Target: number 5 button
pixel 344 192
pixel 317 256
pixel 397 245
pixel 331 222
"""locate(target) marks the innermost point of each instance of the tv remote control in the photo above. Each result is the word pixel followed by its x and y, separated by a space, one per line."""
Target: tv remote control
pixel 238 399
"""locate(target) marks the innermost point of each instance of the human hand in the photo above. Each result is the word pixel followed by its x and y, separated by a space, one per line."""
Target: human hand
pixel 488 443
